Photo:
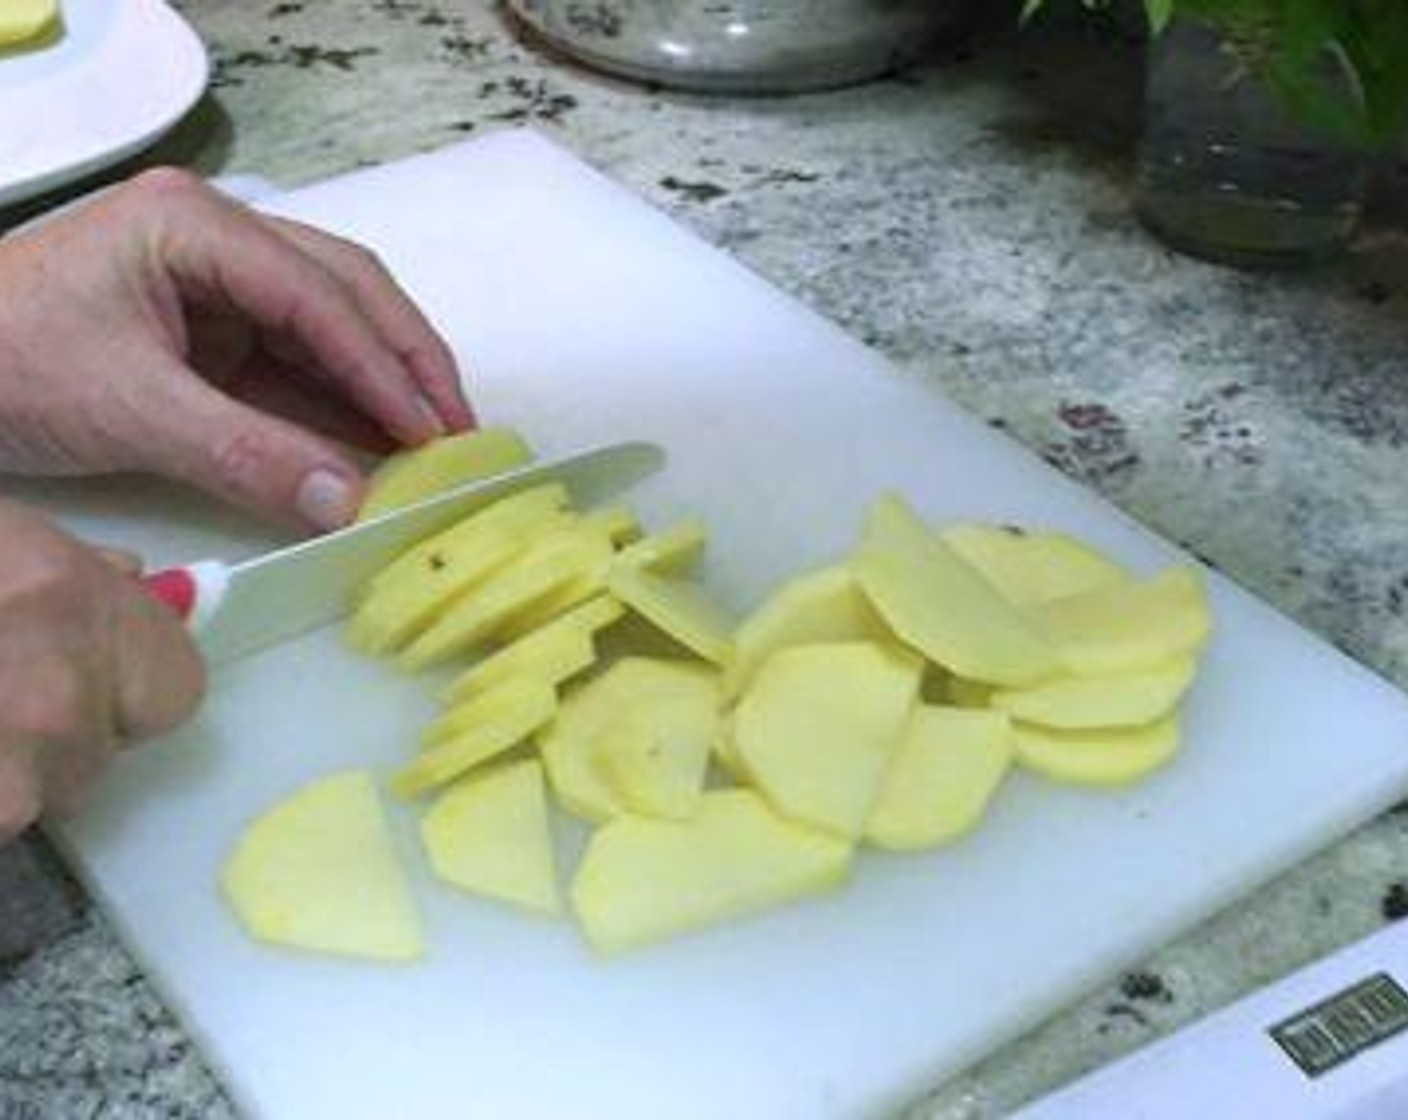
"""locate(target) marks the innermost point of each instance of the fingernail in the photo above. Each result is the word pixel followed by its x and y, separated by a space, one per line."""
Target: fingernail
pixel 326 499
pixel 437 426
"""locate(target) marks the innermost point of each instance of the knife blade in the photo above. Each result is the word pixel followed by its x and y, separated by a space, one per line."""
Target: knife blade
pixel 235 610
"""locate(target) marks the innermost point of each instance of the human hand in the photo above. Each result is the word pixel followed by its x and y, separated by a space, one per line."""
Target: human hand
pixel 89 663
pixel 163 328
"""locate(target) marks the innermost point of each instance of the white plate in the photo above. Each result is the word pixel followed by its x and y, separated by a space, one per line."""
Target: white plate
pixel 123 72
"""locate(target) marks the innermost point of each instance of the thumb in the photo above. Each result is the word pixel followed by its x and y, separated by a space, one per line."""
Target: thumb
pixel 252 459
pixel 159 678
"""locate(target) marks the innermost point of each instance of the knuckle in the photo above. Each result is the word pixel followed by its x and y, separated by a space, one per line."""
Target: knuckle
pixel 238 457
pixel 164 182
pixel 53 570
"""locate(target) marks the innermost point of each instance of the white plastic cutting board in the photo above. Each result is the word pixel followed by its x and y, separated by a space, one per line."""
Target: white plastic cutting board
pixel 583 315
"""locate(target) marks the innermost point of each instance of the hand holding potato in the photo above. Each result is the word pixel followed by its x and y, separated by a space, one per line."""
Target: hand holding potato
pixel 163 328
pixel 88 663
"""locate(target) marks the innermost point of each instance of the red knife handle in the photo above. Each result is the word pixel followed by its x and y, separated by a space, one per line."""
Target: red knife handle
pixel 194 592
pixel 175 587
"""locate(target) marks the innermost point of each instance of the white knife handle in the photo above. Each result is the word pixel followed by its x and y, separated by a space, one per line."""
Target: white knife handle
pixel 194 592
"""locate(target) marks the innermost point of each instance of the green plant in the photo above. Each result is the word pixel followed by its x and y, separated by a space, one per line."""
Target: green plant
pixel 1339 65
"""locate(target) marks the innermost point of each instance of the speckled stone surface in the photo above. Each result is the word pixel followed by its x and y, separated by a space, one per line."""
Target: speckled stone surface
pixel 972 220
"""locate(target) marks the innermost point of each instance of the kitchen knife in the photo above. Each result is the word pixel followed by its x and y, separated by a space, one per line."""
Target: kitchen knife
pixel 238 609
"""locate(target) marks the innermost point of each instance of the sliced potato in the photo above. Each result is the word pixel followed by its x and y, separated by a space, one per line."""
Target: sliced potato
pixel 939 604
pixel 655 717
pixel 618 523
pixel 551 563
pixel 1109 757
pixel 969 694
pixel 24 22
pixel 526 514
pixel 510 713
pixel 422 472
pixel 1031 567
pixel 542 612
pixel 1117 700
pixel 589 584
pixel 680 609
pixel 725 750
pixel 390 616
pixel 1128 626
pixel 574 773
pixel 644 879
pixel 485 707
pixel 937 788
pixel 319 871
pixel 655 755
pixel 489 834
pixel 570 747
pixel 547 652
pixel 826 605
pixel 554 657
pixel 672 550
pixel 936 684
pixel 817 728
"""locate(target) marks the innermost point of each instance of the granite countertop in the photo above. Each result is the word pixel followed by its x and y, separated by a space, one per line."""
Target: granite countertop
pixel 972 220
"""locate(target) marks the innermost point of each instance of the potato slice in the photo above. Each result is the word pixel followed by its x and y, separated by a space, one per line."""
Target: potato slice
pixel 656 754
pixel 574 773
pixel 422 472
pixel 526 515
pixel 937 788
pixel 725 750
pixel 22 21
pixel 935 683
pixel 968 694
pixel 489 834
pixel 618 523
pixel 1028 567
pixel 1119 700
pixel 509 714
pixel 550 652
pixel 391 615
pixel 671 551
pixel 1110 757
pixel 554 659
pixel 680 609
pixel 1128 626
pixel 550 564
pixel 644 879
pixel 570 746
pixel 319 871
pixel 826 605
pixel 485 707
pixel 676 696
pixel 939 604
pixel 590 583
pixel 817 728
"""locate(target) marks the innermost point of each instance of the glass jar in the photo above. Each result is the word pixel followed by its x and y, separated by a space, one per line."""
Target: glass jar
pixel 739 46
pixel 1226 173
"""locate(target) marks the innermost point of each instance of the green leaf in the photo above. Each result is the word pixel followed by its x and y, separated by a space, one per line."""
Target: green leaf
pixel 1029 9
pixel 1304 29
pixel 1160 12
pixel 1341 66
